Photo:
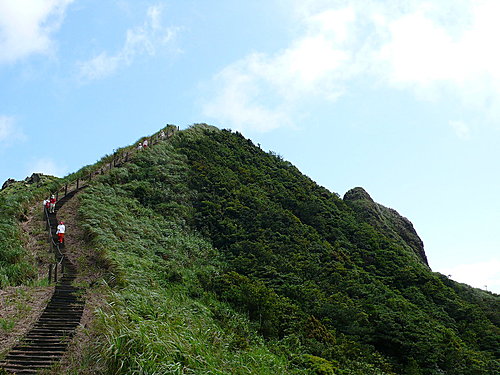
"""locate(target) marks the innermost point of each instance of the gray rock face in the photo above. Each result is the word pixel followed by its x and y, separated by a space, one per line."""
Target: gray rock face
pixel 386 220
pixel 9 182
pixel 33 179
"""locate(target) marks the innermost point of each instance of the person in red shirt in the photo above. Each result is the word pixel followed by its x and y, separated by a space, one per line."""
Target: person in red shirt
pixel 46 204
pixel 52 207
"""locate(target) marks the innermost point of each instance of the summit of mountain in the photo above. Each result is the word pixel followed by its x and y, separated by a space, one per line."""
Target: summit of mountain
pixel 387 220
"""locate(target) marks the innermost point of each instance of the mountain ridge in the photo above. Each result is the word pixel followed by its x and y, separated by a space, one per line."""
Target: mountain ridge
pixel 291 278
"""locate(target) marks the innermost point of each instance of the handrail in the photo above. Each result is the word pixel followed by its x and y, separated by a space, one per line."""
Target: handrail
pixel 116 161
pixel 55 245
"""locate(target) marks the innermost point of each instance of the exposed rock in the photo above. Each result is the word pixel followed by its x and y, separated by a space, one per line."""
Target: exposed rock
pixel 9 182
pixel 33 179
pixel 385 219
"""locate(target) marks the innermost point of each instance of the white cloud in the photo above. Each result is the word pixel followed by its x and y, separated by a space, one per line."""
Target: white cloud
pixel 313 65
pixel 436 56
pixel 142 40
pixel 100 66
pixel 461 129
pixel 436 50
pixel 26 27
pixel 236 102
pixel 9 132
pixel 47 166
pixel 484 275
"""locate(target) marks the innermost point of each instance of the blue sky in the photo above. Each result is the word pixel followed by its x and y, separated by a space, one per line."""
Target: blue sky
pixel 399 97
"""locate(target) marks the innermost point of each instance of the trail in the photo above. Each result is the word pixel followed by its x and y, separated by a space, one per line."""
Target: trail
pixel 47 341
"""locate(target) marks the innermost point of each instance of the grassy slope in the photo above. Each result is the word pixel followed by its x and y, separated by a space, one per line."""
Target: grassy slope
pixel 16 265
pixel 223 259
pixel 159 319
pixel 325 291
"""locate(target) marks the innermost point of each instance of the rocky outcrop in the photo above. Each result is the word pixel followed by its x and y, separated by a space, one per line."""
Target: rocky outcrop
pixel 7 183
pixel 33 179
pixel 386 220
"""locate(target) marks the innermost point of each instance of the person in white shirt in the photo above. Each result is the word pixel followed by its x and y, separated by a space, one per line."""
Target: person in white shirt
pixel 61 229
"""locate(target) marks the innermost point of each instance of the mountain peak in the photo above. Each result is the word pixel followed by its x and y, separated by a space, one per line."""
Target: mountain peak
pixel 386 220
pixel 357 193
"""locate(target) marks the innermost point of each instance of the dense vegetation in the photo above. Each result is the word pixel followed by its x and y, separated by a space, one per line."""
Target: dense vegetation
pixel 16 264
pixel 222 258
pixel 159 320
pixel 301 262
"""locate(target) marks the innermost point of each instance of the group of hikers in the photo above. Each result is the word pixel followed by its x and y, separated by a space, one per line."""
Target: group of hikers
pixel 50 206
pixel 145 144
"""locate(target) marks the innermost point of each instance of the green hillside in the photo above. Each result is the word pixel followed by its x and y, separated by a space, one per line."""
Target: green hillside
pixel 16 264
pixel 221 258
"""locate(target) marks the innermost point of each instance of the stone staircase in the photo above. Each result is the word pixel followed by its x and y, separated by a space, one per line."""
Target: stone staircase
pixel 48 339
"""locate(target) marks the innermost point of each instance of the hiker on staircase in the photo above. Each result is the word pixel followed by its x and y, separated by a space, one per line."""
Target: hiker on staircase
pixel 46 204
pixel 52 204
pixel 61 229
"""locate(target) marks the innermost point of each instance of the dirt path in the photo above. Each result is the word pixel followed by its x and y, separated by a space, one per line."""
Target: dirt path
pixel 20 308
pixel 89 274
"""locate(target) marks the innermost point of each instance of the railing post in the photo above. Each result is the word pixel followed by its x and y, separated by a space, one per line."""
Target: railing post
pixel 77 183
pixel 57 195
pixel 66 190
pixel 55 273
pixel 50 273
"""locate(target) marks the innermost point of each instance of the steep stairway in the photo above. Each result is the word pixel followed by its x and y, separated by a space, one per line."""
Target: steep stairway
pixel 47 341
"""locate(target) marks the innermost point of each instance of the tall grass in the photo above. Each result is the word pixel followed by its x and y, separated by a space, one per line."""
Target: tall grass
pixel 16 265
pixel 158 318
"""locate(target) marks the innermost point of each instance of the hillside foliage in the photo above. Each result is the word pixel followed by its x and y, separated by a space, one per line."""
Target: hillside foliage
pixel 299 256
pixel 16 264
pixel 222 258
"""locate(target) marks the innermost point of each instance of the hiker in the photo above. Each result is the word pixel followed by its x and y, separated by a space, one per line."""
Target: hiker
pixel 46 204
pixel 162 135
pixel 52 204
pixel 139 147
pixel 145 143
pixel 61 229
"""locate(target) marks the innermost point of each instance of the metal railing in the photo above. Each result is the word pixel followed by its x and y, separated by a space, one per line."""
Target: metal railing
pixel 55 246
pixel 116 161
